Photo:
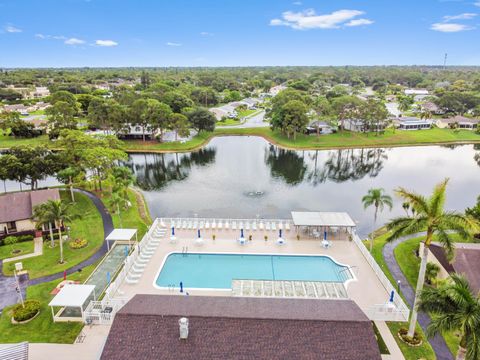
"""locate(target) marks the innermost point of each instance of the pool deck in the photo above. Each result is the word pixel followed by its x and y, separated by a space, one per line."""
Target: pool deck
pixel 342 251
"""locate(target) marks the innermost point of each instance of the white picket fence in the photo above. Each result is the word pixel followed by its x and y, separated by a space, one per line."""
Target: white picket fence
pixel 389 311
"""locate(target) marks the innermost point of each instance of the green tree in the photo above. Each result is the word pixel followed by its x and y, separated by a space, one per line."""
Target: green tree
pixel 202 119
pixel 61 214
pixel 429 215
pixel 43 217
pixel 157 115
pixel 379 200
pixel 61 115
pixel 455 307
pixel 292 118
pixel 179 123
pixel 67 176
pixel 431 273
pixel 404 102
pixel 101 161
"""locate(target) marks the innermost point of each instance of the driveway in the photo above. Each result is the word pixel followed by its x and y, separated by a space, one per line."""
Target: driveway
pixel 257 120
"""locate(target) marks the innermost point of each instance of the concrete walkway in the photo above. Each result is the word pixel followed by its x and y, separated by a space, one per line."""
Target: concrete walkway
pixel 438 343
pixel 395 352
pixel 37 251
pixel 8 293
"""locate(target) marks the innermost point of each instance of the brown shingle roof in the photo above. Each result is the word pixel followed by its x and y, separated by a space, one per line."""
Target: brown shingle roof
pixel 240 328
pixel 466 262
pixel 19 205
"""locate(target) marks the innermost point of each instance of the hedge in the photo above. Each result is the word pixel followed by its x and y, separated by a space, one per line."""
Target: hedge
pixel 21 238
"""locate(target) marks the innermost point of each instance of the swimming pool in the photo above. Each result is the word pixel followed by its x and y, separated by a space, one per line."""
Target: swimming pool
pixel 216 271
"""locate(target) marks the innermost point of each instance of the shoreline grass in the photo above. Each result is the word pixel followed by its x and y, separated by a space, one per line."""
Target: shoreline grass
pixel 339 140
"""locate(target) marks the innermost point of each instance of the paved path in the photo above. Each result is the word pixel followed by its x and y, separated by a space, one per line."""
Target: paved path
pixel 8 294
pixel 438 343
pixel 37 251
pixel 251 122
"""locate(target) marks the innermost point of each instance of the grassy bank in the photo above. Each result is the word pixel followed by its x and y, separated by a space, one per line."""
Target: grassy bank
pixel 24 248
pixel 42 329
pixel 89 227
pixel 333 141
pixel 409 263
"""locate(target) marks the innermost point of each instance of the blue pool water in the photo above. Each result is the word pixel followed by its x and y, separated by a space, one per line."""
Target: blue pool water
pixel 216 271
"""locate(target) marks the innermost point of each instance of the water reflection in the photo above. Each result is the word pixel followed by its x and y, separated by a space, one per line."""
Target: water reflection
pixel 156 171
pixel 285 164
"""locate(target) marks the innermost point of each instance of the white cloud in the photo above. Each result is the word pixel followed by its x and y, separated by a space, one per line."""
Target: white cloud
pixel 359 22
pixel 464 16
pixel 74 41
pixel 450 27
pixel 206 33
pixel 173 44
pixel 41 36
pixel 107 43
pixel 308 19
pixel 298 3
pixel 477 3
pixel 12 29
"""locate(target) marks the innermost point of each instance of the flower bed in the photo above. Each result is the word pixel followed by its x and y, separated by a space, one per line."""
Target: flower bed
pixel 78 243
pixel 22 314
pixel 416 340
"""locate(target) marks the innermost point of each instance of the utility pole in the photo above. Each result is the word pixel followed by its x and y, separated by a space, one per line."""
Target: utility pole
pixel 445 61
pixel 18 288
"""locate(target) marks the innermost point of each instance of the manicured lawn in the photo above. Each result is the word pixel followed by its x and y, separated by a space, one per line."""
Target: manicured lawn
pixel 24 247
pixel 131 218
pixel 410 265
pixel 229 122
pixel 424 351
pixel 339 140
pixel 89 227
pixel 42 328
pixel 248 112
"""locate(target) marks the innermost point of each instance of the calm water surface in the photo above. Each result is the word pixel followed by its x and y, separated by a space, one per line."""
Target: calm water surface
pixel 248 177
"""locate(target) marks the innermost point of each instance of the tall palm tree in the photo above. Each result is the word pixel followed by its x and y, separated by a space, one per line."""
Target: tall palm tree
pixel 379 200
pixel 428 215
pixel 454 306
pixel 61 213
pixel 43 217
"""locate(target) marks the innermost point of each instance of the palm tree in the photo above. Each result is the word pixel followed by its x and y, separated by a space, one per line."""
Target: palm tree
pixel 406 207
pixel 429 214
pixel 61 214
pixel 43 217
pixel 454 306
pixel 117 201
pixel 379 199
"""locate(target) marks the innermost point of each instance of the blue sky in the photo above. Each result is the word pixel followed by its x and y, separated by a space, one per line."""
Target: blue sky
pixel 57 33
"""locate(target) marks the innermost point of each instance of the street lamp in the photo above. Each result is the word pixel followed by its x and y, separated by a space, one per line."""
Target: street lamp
pixel 398 286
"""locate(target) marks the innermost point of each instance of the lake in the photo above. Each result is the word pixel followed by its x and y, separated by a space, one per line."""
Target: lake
pixel 248 177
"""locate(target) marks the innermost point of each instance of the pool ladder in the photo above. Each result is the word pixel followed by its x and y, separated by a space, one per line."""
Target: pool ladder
pixel 185 250
pixel 171 287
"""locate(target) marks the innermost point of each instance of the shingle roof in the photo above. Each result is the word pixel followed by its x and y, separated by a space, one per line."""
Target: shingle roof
pixel 466 262
pixel 240 328
pixel 18 205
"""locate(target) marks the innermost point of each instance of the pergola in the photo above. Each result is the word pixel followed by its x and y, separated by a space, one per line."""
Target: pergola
pixel 313 220
pixel 71 298
pixel 121 235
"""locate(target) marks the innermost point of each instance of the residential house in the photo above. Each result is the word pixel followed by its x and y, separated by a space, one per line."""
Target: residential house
pixel 22 109
pixel 39 92
pixel 16 210
pixel 466 262
pixel 224 111
pixel 135 131
pixel 431 107
pixel 459 122
pixel 319 127
pixel 220 327
pixel 418 94
pixel 412 123
pixel 276 89
pixel 358 125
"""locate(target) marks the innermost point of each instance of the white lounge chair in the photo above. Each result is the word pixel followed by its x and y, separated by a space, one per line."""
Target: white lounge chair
pixel 190 225
pixel 227 225
pixel 280 225
pixel 201 225
pixel 247 225
pixel 184 225
pixel 234 225
pixel 207 225
pixel 162 224
pixel 240 225
pixel 254 226
pixel 267 225
pixel 195 224
pixel 220 225
pixel 132 275
pixel 131 281
pixel 274 226
pixel 287 226
pixel 261 226
pixel 214 225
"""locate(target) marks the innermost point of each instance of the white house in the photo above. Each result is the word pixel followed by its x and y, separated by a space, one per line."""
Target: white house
pixel 460 122
pixel 413 123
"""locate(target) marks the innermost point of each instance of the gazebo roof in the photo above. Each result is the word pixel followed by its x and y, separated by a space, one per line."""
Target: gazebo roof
pixel 121 234
pixel 73 295
pixel 312 218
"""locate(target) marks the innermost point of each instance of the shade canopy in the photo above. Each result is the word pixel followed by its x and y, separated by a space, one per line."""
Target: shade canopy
pixel 73 295
pixel 121 235
pixel 312 218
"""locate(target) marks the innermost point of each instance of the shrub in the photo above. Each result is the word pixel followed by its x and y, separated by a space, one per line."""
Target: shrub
pixel 416 340
pixel 78 243
pixel 25 238
pixel 20 313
